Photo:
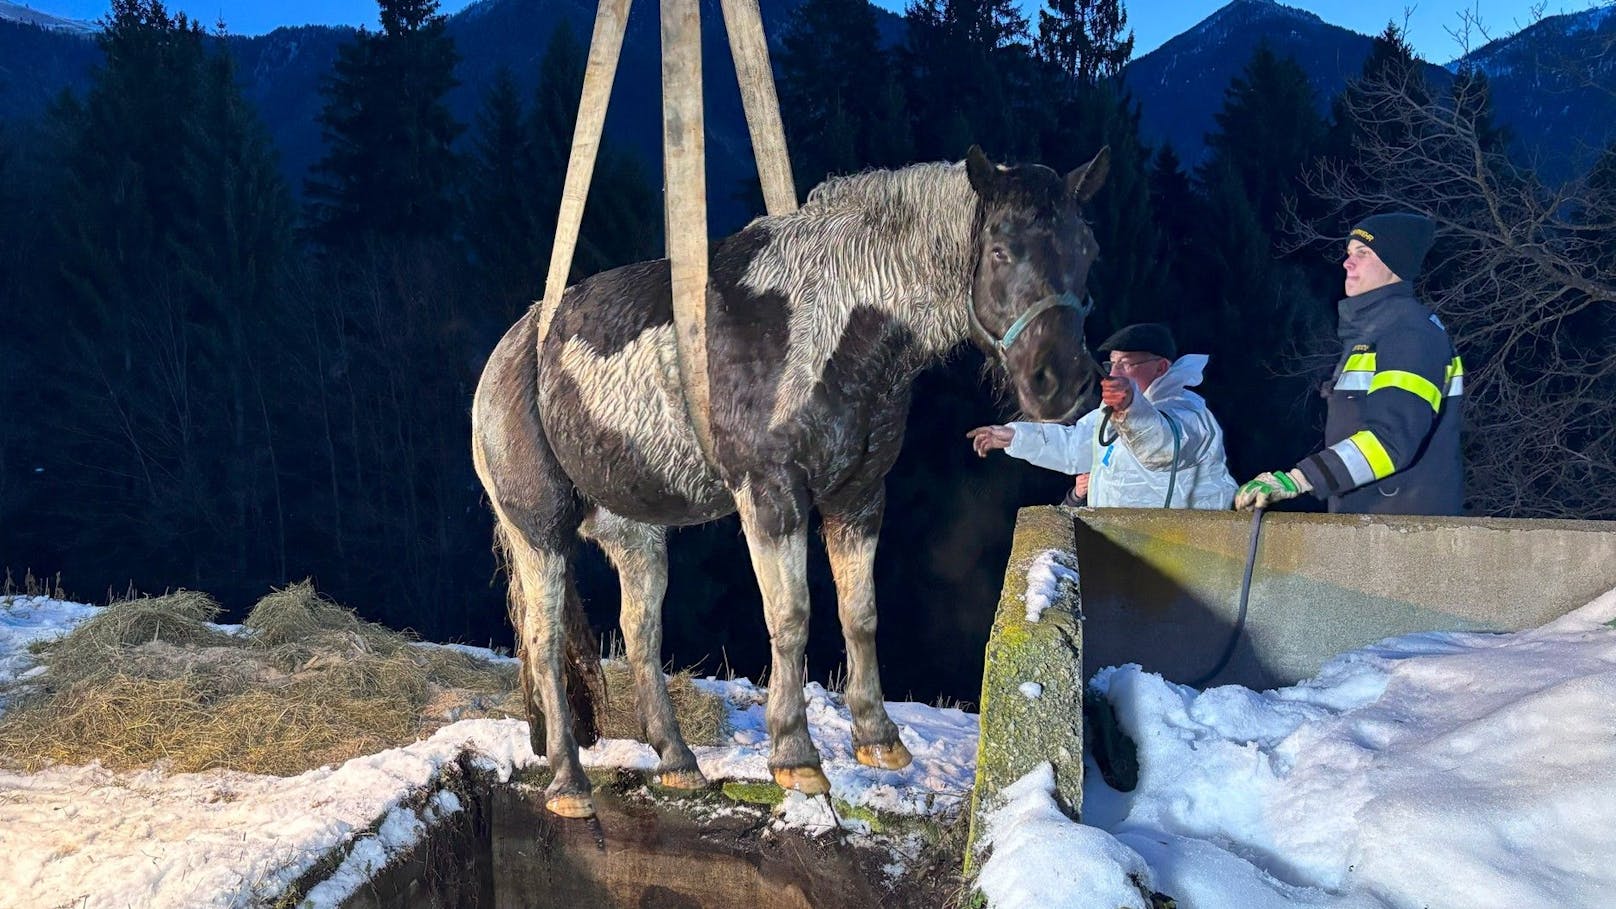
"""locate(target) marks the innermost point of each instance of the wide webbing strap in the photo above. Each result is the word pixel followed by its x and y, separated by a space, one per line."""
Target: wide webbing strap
pixel 750 48
pixel 611 17
pixel 684 158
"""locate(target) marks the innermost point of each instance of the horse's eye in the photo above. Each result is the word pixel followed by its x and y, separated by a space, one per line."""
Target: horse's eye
pixel 999 253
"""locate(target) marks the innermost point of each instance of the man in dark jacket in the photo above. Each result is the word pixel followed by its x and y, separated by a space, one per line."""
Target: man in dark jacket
pixel 1392 435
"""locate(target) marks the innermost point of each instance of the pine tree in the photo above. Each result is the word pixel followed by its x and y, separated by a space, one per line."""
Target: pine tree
pixel 1172 196
pixel 1391 62
pixel 170 232
pixel 955 63
pixel 1261 307
pixel 1084 38
pixel 506 227
pixel 623 215
pixel 836 92
pixel 389 169
pixel 1268 132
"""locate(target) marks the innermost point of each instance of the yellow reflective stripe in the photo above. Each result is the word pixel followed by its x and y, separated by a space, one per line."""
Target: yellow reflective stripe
pixel 1454 380
pixel 1411 382
pixel 1374 452
pixel 1360 362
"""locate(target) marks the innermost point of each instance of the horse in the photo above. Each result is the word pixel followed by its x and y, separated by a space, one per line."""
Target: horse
pixel 818 321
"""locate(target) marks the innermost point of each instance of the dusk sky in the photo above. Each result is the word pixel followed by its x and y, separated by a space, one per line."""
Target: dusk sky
pixel 1153 21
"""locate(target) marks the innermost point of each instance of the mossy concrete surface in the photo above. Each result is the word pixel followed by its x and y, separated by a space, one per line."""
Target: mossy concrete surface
pixel 1162 588
pixel 1020 731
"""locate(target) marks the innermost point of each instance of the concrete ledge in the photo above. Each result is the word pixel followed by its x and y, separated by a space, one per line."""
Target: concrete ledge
pixel 1020 731
pixel 1161 588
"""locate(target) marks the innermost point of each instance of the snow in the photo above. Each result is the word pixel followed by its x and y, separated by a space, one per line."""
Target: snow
pixel 1435 769
pixel 89 837
pixel 1049 570
pixel 1429 770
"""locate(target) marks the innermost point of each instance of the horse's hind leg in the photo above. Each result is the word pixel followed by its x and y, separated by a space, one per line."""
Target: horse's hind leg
pixel 539 580
pixel 538 515
pixel 850 542
pixel 640 554
pixel 776 526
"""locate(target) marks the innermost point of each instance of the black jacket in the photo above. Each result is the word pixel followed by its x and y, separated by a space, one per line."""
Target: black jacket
pixel 1392 435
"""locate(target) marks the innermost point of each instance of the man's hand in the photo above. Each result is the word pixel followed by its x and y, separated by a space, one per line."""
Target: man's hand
pixel 986 438
pixel 1116 392
pixel 1273 486
pixel 1080 486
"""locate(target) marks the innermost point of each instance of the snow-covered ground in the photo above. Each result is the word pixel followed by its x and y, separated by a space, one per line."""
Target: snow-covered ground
pixel 1432 770
pixel 87 837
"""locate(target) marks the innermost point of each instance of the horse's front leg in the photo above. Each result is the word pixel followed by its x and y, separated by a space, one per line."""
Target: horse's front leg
pixel 776 526
pixel 640 553
pixel 850 540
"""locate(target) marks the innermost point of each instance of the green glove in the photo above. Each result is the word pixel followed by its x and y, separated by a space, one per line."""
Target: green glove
pixel 1273 486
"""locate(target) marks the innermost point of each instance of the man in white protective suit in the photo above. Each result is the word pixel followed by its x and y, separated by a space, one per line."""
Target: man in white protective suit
pixel 1152 443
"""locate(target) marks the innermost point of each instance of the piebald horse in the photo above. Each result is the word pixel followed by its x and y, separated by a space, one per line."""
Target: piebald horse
pixel 817 323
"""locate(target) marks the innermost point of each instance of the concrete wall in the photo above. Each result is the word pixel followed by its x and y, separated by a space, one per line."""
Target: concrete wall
pixel 1161 588
pixel 1020 732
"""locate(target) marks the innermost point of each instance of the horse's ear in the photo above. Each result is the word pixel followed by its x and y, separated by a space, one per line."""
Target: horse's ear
pixel 980 170
pixel 1085 181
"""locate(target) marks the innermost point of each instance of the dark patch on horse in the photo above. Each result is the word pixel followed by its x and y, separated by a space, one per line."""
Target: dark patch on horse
pixel 610 470
pixel 609 310
pixel 527 479
pixel 748 334
pixel 854 426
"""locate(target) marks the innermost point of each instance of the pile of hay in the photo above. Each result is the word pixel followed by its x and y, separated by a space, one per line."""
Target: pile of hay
pixel 307 683
pixel 703 717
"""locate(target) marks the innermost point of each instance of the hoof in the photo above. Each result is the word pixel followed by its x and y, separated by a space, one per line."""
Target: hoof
pixel 576 806
pixel 887 757
pixel 806 780
pixel 683 780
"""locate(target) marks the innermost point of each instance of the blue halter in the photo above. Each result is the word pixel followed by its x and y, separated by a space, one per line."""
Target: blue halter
pixel 1037 309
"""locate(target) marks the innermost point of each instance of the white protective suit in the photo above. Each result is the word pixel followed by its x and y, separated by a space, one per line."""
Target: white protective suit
pixel 1133 471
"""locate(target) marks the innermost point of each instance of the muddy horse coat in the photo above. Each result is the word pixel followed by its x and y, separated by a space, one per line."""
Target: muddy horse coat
pixel 817 323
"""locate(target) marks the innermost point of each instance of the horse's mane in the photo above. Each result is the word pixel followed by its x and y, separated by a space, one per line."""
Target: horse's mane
pixel 897 232
pixel 875 188
pixel 900 241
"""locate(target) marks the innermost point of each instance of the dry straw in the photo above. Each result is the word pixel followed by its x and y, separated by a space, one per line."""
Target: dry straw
pixel 703 717
pixel 306 684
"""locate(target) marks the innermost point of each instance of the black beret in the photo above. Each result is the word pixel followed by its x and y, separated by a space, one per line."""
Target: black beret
pixel 1150 337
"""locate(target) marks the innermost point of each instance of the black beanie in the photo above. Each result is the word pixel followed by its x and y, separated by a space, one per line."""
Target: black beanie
pixel 1400 239
pixel 1150 337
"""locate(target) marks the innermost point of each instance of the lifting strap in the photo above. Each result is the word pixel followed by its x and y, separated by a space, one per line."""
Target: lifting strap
pixel 684 168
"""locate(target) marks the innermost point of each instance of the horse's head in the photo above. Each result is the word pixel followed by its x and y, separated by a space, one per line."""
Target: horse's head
pixel 1029 292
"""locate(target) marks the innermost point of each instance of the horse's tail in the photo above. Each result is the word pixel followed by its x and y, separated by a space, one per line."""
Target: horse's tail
pixel 586 684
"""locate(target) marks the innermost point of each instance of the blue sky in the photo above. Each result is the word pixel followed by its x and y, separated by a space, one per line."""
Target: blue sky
pixel 1153 21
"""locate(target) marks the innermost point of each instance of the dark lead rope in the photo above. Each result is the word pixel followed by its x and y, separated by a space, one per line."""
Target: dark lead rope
pixel 1245 596
pixel 1172 472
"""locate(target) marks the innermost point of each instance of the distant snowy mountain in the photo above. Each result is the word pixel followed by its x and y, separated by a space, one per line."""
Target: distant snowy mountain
pixel 13 12
pixel 1554 85
pixel 1557 119
pixel 1180 85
